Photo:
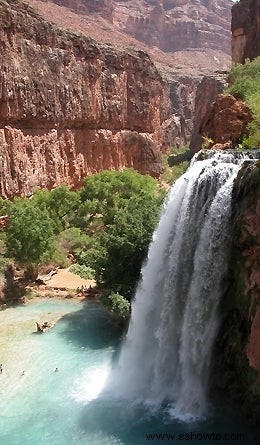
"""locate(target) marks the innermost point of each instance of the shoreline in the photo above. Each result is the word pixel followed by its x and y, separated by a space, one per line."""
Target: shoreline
pixel 64 285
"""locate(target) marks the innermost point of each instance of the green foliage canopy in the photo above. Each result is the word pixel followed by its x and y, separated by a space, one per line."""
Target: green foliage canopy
pixel 105 192
pixel 60 203
pixel 124 244
pixel 30 232
pixel 107 225
pixel 245 83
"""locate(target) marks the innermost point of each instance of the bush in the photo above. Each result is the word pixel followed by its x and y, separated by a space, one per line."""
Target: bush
pixel 83 271
pixel 72 239
pixel 116 304
pixel 245 83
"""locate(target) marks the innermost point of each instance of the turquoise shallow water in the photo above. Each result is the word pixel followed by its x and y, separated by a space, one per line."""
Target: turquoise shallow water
pixel 69 407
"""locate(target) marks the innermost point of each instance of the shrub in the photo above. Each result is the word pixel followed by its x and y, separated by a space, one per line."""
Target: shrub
pixel 116 304
pixel 83 271
pixel 245 83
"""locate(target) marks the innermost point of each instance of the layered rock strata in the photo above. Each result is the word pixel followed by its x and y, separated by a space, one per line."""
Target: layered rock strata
pixel 170 25
pixel 70 107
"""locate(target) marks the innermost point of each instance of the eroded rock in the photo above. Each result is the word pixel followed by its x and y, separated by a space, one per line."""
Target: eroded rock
pixel 226 123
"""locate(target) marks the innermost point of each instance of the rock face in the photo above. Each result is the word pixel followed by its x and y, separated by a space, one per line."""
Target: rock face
pixel 204 114
pixel 175 25
pixel 237 355
pixel 70 106
pixel 186 101
pixel 245 30
pixel 170 25
pixel 103 8
pixel 225 124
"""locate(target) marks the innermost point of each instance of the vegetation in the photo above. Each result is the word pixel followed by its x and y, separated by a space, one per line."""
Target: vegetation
pixel 106 226
pixel 124 244
pixel 171 174
pixel 83 271
pixel 245 83
pixel 29 234
pixel 116 304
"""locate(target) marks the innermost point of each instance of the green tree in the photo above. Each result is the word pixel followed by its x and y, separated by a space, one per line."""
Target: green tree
pixel 124 244
pixel 29 234
pixel 61 203
pixel 105 192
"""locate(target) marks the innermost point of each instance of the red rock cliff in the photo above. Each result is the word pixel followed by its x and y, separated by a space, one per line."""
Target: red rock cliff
pixel 70 106
pixel 225 123
pixel 245 30
pixel 171 25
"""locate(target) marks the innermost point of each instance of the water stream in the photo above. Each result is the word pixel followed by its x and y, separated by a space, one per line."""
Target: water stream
pixel 174 321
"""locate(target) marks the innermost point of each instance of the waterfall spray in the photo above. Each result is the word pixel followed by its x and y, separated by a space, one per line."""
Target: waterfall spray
pixel 166 355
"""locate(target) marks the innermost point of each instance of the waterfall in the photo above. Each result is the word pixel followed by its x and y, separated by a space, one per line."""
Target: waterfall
pixel 166 356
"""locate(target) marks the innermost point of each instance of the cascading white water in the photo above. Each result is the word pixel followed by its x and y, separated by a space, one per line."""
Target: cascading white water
pixel 166 355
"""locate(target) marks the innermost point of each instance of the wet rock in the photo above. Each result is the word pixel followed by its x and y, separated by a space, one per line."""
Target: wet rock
pixel 45 326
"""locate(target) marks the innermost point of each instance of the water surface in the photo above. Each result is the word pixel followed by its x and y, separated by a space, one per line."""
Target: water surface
pixel 71 406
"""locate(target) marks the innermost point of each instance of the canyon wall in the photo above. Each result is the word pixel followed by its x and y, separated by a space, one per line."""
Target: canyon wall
pixel 170 25
pixel 245 28
pixel 236 359
pixel 70 106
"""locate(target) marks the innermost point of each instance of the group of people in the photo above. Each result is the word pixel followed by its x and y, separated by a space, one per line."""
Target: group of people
pixel 84 288
pixel 23 372
pixel 1 370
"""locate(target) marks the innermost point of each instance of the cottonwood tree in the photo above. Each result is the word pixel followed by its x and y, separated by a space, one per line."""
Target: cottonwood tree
pixel 29 235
